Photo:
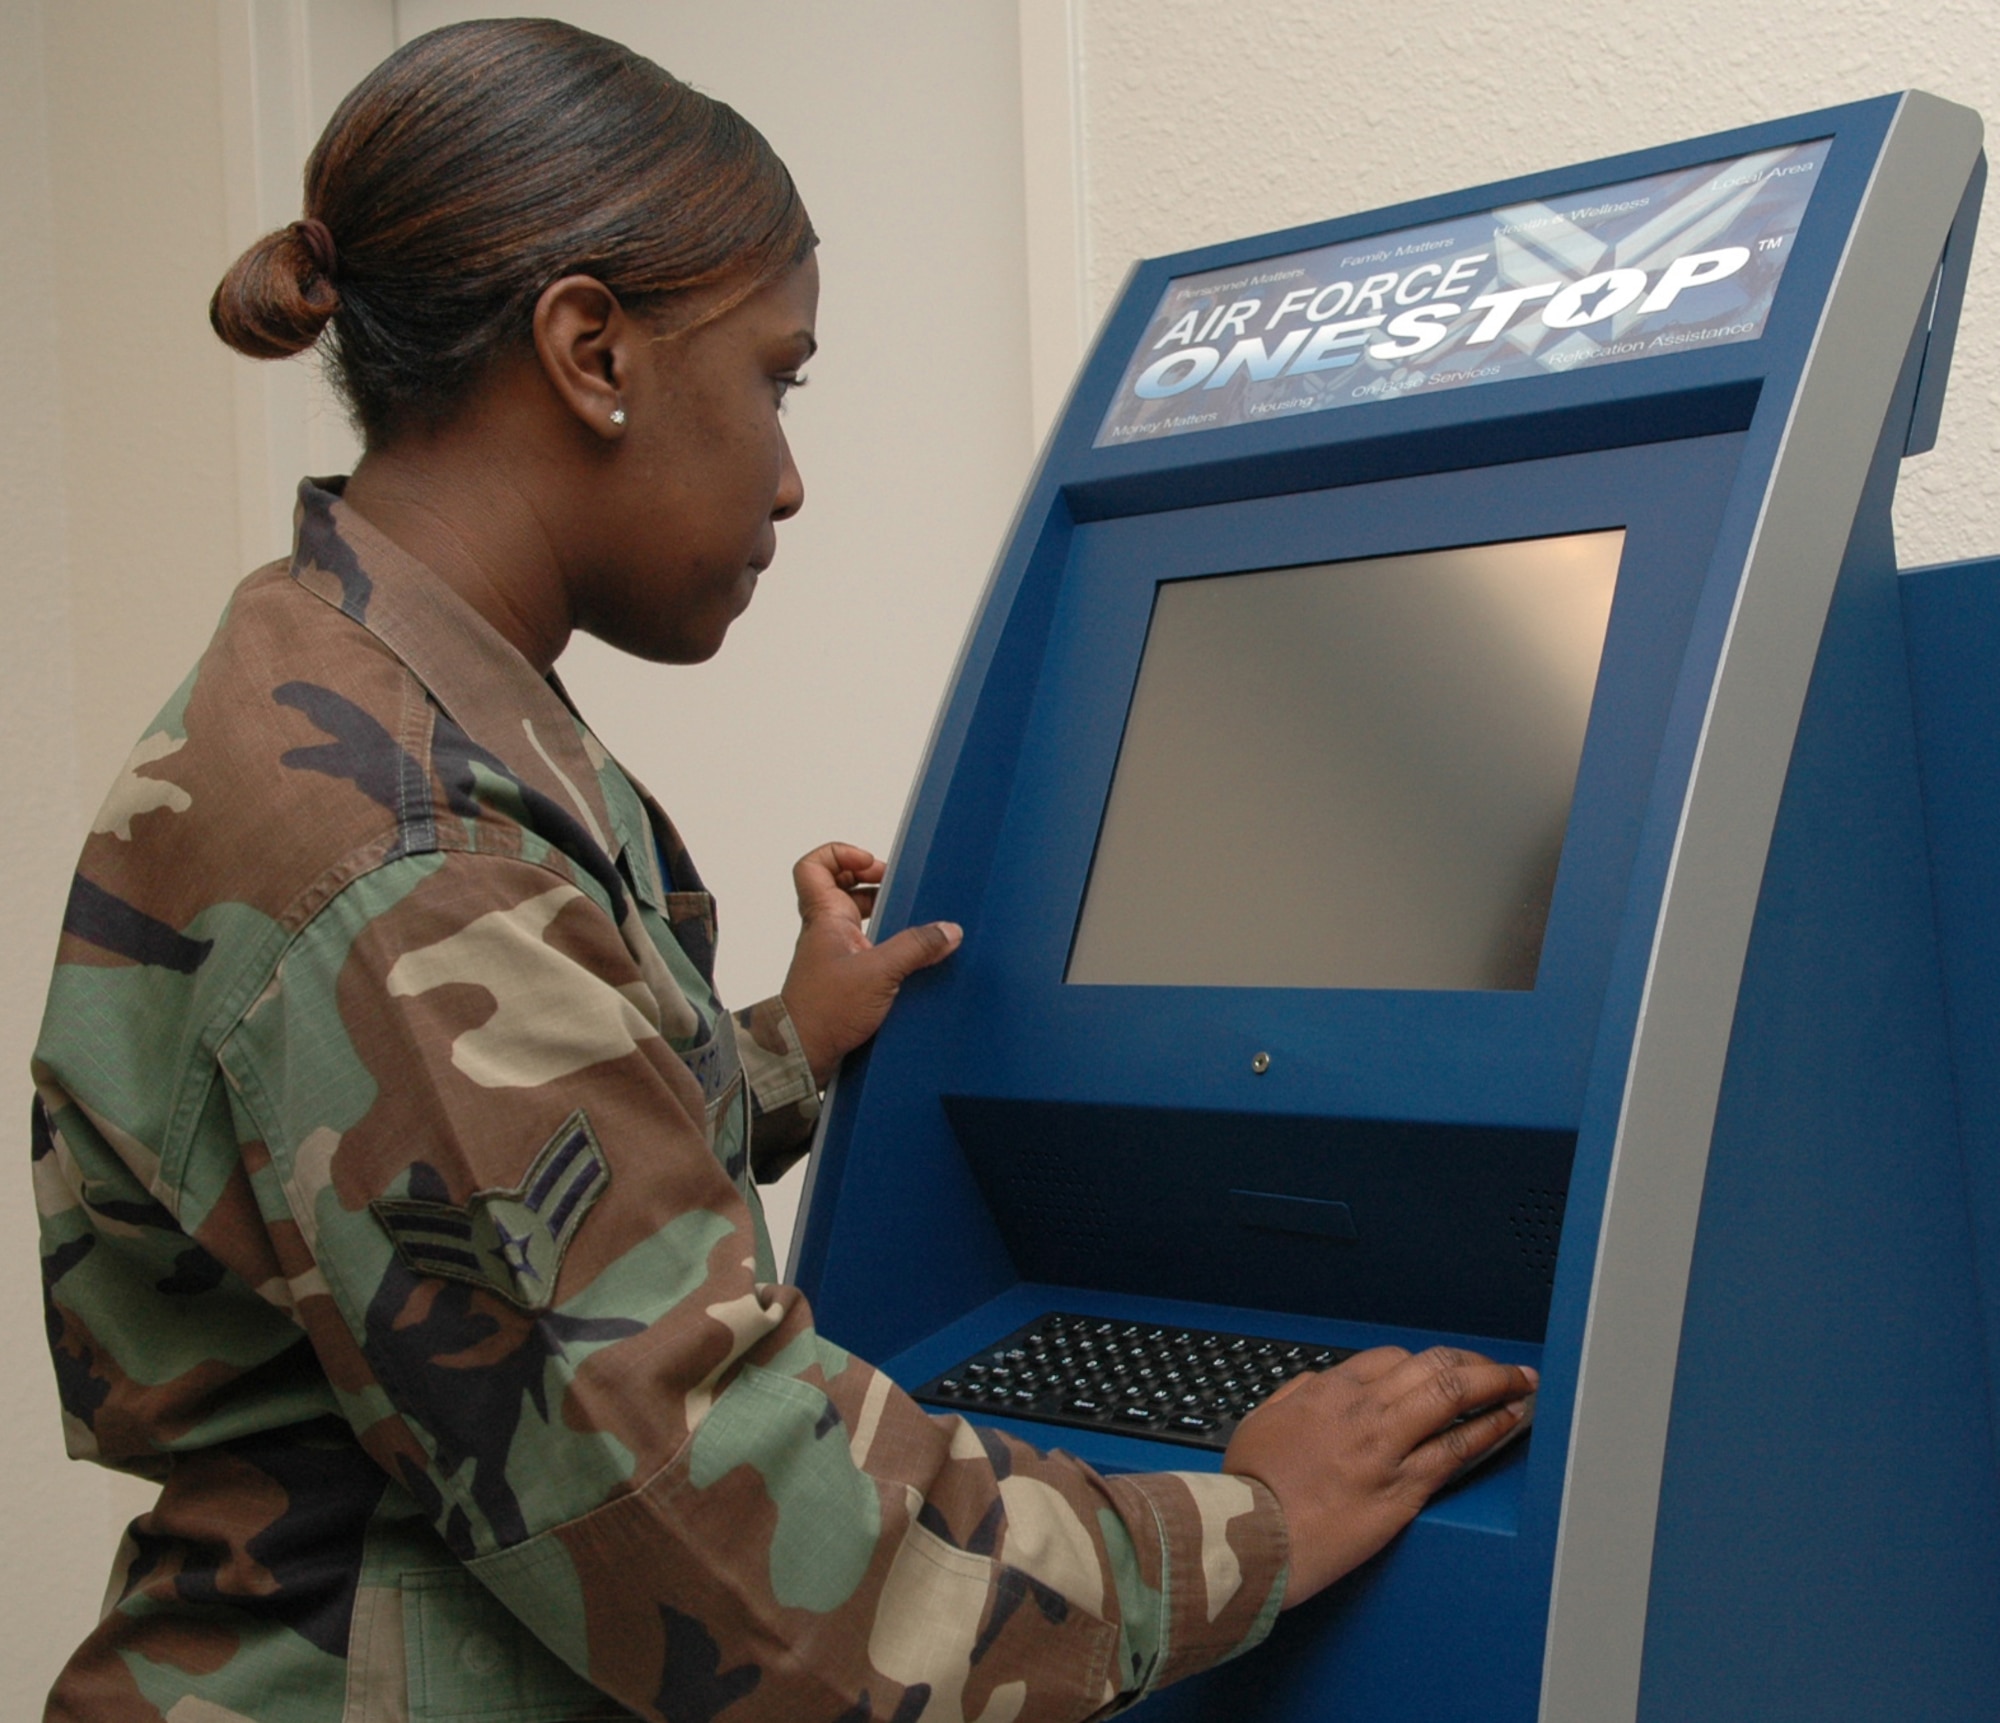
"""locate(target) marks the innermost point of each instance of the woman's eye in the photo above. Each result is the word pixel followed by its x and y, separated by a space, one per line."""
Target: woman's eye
pixel 787 382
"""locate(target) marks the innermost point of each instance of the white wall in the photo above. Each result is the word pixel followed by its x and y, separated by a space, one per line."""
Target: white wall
pixel 59 1510
pixel 1202 121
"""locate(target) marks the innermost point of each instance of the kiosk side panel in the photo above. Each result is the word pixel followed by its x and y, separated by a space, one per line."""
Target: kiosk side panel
pixel 1826 1551
pixel 1953 618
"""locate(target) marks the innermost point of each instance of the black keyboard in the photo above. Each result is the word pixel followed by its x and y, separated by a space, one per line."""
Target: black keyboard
pixel 1186 1385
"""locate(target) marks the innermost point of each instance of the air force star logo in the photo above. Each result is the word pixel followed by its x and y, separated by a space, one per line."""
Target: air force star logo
pixel 509 1241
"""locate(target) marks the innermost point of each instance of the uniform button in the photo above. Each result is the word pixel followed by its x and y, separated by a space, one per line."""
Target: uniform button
pixel 481 1654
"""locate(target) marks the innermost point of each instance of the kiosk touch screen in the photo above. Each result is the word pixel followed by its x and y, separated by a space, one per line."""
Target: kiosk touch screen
pixel 1372 759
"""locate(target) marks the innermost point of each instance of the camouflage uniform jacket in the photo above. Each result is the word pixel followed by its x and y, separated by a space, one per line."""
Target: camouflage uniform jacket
pixel 394 1163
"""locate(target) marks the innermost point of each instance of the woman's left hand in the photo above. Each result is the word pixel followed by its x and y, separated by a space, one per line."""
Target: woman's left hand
pixel 841 985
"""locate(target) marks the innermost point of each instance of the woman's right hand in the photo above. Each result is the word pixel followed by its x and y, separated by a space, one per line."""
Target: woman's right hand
pixel 1353 1453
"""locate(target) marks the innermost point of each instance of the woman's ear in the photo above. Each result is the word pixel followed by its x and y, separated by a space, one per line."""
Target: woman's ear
pixel 586 344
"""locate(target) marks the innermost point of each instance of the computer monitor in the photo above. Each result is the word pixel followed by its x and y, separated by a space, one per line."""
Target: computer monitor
pixel 1362 770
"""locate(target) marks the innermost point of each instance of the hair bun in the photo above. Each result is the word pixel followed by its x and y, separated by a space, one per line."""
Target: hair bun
pixel 279 294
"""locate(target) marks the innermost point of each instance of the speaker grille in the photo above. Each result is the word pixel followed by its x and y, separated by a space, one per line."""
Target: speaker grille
pixel 1537 1224
pixel 1051 1203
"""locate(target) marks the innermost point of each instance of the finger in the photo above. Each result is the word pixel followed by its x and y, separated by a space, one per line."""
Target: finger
pixel 1373 1364
pixel 917 948
pixel 1461 1384
pixel 853 863
pixel 1423 1368
pixel 834 862
pixel 820 892
pixel 1464 1444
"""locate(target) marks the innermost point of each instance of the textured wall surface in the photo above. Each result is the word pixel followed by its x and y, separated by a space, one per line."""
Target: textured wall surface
pixel 1203 121
pixel 55 1597
pixel 148 406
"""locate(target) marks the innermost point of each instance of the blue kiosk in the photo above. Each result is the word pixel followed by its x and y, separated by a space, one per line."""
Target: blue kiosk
pixel 1465 835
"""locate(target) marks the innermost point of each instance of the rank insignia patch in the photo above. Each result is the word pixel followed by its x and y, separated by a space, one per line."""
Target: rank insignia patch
pixel 509 1241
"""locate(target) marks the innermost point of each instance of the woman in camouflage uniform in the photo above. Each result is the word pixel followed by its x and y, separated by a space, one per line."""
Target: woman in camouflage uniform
pixel 396 1160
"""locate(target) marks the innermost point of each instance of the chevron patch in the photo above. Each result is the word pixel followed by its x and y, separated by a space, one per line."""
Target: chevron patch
pixel 509 1241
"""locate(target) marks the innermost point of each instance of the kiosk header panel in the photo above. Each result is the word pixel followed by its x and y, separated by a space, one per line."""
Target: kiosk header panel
pixel 1688 258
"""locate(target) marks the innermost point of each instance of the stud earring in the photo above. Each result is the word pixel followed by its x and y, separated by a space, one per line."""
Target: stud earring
pixel 618 415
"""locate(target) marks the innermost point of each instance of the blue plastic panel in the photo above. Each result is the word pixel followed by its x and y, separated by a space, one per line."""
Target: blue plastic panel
pixel 1821 1541
pixel 1953 619
pixel 1513 1058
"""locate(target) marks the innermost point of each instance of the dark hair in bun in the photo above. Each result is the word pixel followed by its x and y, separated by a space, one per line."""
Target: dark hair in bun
pixel 279 296
pixel 473 167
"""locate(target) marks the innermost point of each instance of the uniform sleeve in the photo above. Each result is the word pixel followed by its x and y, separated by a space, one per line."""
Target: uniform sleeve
pixel 784 1099
pixel 531 1282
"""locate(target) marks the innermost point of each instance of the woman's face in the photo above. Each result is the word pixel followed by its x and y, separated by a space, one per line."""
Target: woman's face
pixel 692 501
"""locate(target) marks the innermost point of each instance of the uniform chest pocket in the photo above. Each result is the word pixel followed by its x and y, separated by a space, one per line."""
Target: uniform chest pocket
pixel 471 1661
